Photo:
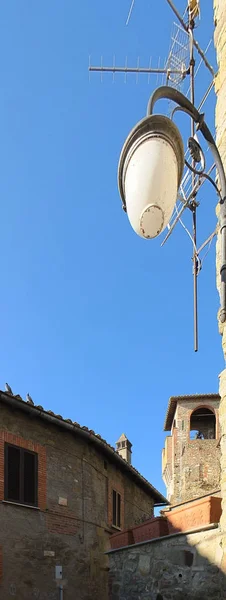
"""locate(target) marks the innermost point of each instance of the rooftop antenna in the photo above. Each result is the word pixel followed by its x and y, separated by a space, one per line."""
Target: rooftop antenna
pixel 130 12
pixel 190 179
pixel 178 67
pixel 178 56
pixel 194 11
pixel 192 8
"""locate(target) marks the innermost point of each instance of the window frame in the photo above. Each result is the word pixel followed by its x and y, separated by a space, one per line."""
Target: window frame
pixel 118 509
pixel 22 452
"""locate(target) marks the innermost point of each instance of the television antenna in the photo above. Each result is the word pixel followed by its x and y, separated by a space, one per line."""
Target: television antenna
pixel 180 66
pixel 130 12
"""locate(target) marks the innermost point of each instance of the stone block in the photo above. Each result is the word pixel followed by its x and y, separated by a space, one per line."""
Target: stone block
pixel 131 563
pixel 62 501
pixel 144 564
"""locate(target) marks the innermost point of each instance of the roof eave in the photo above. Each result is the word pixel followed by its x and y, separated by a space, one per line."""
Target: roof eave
pixel 174 399
pixel 159 499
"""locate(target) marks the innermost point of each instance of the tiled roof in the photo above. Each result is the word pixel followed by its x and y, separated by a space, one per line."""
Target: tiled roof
pixel 74 427
pixel 175 399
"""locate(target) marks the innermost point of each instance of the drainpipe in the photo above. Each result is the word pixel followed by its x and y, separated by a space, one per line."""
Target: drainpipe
pixel 61 590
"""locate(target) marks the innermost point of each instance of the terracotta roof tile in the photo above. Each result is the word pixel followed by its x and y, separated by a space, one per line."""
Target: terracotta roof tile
pixel 96 438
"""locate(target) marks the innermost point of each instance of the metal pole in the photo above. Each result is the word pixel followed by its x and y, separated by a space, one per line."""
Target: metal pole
pixel 176 12
pixel 61 592
pixel 193 203
pixel 138 70
pixel 195 282
pixel 186 27
pixel 173 94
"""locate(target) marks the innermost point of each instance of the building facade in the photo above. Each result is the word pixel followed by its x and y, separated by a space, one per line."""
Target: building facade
pixel 220 120
pixel 191 456
pixel 63 492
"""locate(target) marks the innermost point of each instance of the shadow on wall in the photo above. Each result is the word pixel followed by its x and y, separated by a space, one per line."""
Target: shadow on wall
pixel 178 566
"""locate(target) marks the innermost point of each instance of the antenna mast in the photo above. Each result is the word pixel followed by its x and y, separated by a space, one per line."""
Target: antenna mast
pixel 180 64
pixel 193 11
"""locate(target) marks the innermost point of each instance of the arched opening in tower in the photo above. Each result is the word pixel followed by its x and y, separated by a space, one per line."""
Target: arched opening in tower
pixel 203 424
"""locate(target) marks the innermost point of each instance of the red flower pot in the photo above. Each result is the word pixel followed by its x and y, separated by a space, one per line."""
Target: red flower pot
pixel 153 528
pixel 194 514
pixel 121 539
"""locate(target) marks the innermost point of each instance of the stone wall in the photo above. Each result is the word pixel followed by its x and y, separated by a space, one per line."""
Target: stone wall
pixel 73 521
pixel 220 88
pixel 179 567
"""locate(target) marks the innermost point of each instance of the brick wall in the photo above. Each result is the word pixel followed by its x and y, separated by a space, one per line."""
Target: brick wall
pixel 72 523
pixel 61 525
pixel 1 566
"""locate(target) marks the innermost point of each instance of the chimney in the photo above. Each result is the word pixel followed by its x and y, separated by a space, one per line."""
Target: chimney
pixel 123 447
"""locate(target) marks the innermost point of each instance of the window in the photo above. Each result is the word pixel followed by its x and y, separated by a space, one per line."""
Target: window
pixel 21 475
pixel 116 509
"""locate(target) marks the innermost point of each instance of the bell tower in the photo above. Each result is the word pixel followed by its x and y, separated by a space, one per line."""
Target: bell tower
pixel 191 456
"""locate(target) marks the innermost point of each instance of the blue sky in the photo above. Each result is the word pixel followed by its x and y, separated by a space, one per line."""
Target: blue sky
pixel 96 323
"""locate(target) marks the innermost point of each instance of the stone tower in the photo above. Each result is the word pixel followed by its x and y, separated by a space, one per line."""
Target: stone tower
pixel 123 447
pixel 191 456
